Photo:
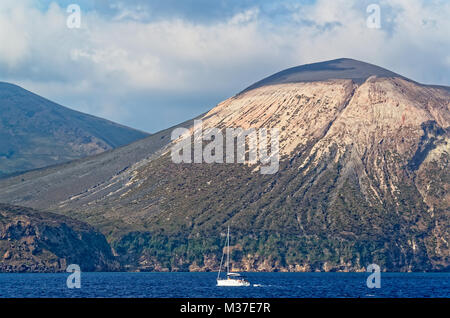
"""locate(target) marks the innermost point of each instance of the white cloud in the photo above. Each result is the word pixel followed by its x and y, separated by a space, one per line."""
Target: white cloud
pixel 112 64
pixel 14 41
pixel 126 11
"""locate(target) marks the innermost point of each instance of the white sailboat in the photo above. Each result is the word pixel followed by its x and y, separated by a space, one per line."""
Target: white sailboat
pixel 232 279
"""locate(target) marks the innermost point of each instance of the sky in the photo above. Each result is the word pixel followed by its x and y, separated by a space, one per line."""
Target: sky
pixel 152 64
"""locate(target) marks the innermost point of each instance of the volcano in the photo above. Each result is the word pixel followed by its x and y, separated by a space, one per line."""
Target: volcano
pixel 363 178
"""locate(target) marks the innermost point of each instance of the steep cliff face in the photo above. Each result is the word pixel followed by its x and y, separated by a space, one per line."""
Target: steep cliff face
pixel 32 241
pixel 363 179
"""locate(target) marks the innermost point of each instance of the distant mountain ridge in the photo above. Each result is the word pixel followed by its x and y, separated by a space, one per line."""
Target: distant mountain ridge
pixel 36 132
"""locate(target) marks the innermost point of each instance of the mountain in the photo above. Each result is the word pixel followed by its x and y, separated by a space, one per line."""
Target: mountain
pixel 344 68
pixel 363 178
pixel 35 132
pixel 34 241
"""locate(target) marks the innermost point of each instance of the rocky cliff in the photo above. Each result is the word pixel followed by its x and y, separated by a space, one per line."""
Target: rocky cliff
pixel 33 241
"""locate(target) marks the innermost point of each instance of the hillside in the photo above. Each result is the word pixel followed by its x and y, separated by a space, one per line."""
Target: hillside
pixel 35 132
pixel 364 178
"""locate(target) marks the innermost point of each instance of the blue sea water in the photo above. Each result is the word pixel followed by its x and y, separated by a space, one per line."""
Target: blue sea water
pixel 192 285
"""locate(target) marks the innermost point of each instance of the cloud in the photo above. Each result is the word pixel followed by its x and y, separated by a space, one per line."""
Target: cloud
pixel 152 66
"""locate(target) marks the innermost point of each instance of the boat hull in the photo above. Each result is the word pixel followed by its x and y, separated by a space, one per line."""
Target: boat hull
pixel 232 282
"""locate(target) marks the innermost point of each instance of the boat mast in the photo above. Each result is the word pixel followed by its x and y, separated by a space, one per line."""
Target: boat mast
pixel 228 250
pixel 220 267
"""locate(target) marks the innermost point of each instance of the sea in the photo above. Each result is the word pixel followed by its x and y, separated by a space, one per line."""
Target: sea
pixel 203 285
